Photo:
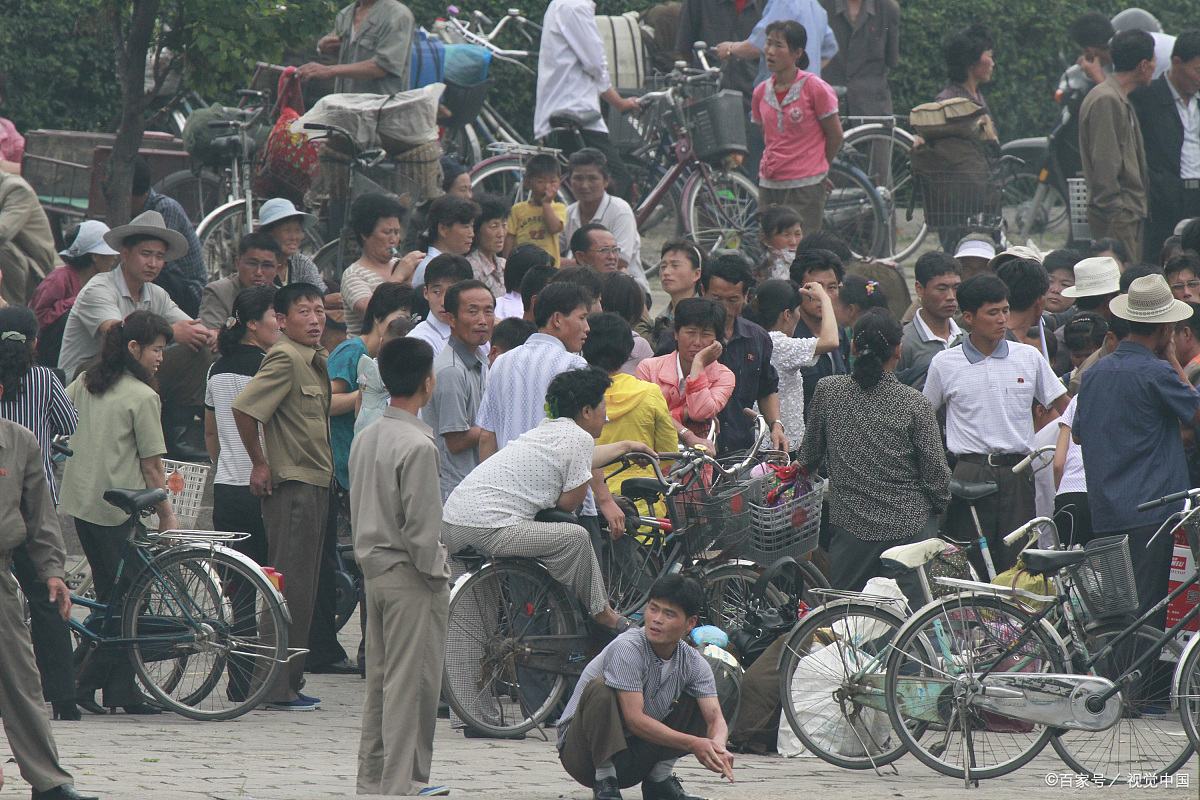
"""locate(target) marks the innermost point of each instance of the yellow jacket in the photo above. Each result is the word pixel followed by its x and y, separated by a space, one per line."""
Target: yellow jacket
pixel 637 411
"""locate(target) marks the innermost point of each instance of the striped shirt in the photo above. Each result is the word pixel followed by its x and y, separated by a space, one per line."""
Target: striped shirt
pixel 515 398
pixel 44 408
pixel 226 379
pixel 629 664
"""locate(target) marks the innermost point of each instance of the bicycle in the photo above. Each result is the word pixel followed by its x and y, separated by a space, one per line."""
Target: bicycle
pixel 203 626
pixel 1003 682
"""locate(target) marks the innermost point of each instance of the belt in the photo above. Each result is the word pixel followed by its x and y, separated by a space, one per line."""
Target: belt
pixel 1191 184
pixel 993 459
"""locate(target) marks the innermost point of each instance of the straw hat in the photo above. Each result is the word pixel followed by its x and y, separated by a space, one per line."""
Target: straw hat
pixel 1095 276
pixel 149 223
pixel 277 209
pixel 1149 300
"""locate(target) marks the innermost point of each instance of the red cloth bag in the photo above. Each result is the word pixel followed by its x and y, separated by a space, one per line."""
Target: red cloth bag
pixel 288 160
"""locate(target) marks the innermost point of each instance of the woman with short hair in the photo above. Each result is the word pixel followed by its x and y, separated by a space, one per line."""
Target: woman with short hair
pixel 375 219
pixel 491 226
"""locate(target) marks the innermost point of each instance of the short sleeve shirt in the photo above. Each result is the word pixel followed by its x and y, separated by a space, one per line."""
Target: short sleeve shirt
pixel 385 36
pixel 358 283
pixel 629 664
pixel 116 431
pixel 524 477
pixel 1073 479
pixel 795 143
pixel 525 223
pixel 343 363
pixel 226 379
pixel 461 376
pixel 106 297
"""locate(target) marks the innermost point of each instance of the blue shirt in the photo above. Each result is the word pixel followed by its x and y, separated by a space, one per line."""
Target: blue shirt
pixel 343 363
pixel 1127 419
pixel 821 42
pixel 184 278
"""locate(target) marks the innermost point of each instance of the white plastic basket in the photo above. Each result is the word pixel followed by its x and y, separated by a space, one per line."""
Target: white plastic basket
pixel 185 490
pixel 1077 198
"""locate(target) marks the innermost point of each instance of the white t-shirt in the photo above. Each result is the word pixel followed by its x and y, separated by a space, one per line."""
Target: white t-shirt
pixel 1043 478
pixel 1072 479
pixel 789 355
pixel 523 477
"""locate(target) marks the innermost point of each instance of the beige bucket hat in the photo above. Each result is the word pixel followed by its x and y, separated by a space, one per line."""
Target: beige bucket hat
pixel 1095 276
pixel 1150 300
pixel 149 223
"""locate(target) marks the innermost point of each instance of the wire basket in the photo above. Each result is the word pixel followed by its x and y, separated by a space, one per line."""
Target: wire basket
pixel 185 490
pixel 717 520
pixel 788 529
pixel 464 102
pixel 1077 197
pixel 1104 581
pixel 967 199
pixel 717 125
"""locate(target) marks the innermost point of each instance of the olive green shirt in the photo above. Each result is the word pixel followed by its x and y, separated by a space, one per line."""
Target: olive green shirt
pixel 385 37
pixel 290 396
pixel 116 431
pixel 26 510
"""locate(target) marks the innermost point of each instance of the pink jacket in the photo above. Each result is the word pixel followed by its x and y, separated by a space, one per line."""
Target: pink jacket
pixel 703 398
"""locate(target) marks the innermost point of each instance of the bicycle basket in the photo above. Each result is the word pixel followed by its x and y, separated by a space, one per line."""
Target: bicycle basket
pixel 717 125
pixel 969 198
pixel 185 489
pixel 1105 580
pixel 717 520
pixel 786 525
pixel 464 102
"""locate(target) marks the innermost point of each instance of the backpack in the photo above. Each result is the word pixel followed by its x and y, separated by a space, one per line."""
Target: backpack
pixel 198 136
pixel 428 61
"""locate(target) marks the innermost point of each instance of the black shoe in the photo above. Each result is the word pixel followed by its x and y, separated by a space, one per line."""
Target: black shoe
pixel 65 792
pixel 90 705
pixel 475 733
pixel 606 789
pixel 670 789
pixel 67 710
pixel 443 709
pixel 343 667
pixel 140 709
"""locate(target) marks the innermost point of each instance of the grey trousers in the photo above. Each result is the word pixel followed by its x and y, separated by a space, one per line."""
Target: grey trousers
pixel 407 617
pixel 26 723
pixel 294 515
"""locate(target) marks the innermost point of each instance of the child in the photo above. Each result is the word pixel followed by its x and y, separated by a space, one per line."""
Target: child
pixel 374 395
pixel 782 231
pixel 542 217
pixel 508 334
pixel 443 272
pixel 799 116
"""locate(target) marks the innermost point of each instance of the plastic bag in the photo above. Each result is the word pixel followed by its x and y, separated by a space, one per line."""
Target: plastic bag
pixel 406 118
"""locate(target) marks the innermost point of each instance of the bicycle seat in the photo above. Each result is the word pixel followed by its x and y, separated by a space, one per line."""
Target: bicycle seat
pixel 566 119
pixel 134 501
pixel 898 560
pixel 641 489
pixel 1044 562
pixel 972 491
pixel 556 515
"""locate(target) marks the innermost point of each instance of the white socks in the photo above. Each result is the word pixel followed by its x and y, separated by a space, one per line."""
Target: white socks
pixel 606 770
pixel 662 770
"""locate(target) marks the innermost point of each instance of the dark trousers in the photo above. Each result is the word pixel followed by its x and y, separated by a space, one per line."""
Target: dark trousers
pixel 1158 227
pixel 109 670
pixel 597 735
pixel 1076 528
pixel 999 515
pixel 323 645
pixel 854 561
pixel 622 181
pixel 51 635
pixel 235 508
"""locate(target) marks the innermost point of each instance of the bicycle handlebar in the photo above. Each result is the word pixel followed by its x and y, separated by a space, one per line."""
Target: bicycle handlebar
pixel 1024 463
pixel 1026 530
pixel 1168 499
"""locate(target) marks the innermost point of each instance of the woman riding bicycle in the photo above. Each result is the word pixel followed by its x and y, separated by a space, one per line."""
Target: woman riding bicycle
pixel 493 510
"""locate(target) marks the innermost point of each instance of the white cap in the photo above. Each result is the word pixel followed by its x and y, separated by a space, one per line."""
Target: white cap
pixel 975 248
pixel 89 240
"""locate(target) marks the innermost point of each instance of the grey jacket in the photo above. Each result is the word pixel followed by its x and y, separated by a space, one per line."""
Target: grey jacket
pixel 1114 158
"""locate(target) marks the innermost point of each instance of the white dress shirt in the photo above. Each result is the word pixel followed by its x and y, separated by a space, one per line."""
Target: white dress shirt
pixel 572 71
pixel 616 215
pixel 1189 115
pixel 437 333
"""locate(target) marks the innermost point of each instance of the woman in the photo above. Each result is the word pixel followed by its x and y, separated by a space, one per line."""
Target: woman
pixel 34 398
pixel 118 445
pixel 799 116
pixel 86 257
pixel 449 228
pixel 279 219
pixel 969 65
pixel 857 296
pixel 1070 484
pixel 695 386
pixel 881 442
pixel 776 307
pixel 389 301
pixel 679 272
pixel 621 295
pixel 375 220
pixel 782 232
pixel 491 226
pixel 493 509
pixel 456 180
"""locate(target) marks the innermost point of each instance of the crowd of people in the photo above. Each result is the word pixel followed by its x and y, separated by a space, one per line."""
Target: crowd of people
pixel 447 398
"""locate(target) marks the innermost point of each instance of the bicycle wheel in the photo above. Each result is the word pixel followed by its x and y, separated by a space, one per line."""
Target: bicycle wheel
pixel 728 590
pixel 665 221
pixel 1044 220
pixel 1148 739
pixel 503 176
pixel 855 212
pixel 629 568
pixel 931 684
pixel 199 194
pixel 797 581
pixel 214 631
pixel 1187 693
pixel 836 706
pixel 220 232
pixel 881 152
pixel 492 612
pixel 720 212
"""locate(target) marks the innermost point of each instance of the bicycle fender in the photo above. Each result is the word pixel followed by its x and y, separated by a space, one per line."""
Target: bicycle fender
pixel 246 561
pixel 206 223
pixel 1054 699
pixel 529 562
pixel 1188 648
pixel 1032 150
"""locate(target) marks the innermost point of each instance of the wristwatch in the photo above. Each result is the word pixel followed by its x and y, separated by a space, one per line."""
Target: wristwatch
pixel 775 422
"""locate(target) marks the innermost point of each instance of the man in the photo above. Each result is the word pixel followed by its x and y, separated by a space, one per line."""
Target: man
pixel 589 180
pixel 145 244
pixel 372 41
pixel 289 397
pixel 27 251
pixel 183 276
pixel 725 24
pixel 1169 115
pixel 868 45
pixel 987 386
pixel 461 376
pixel 397 542
pixel 644 701
pixel 825 268
pixel 443 272
pixel 1110 143
pixel 572 76
pixel 1183 276
pixel 593 246
pixel 808 13
pixel 1127 423
pixel 1187 345
pixel 679 272
pixel 1097 281
pixel 514 400
pixel 747 351
pixel 258 260
pixel 27 517
pixel 933 328
pixel 1092 32
pixel 1027 284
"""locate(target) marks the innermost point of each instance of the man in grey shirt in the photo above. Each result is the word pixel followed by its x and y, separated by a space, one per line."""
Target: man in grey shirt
pixel 461 377
pixel 372 40
pixel 932 328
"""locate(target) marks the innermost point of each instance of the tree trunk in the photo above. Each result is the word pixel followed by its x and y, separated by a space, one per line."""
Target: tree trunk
pixel 131 42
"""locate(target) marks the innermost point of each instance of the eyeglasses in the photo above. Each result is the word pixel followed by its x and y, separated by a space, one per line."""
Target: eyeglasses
pixel 608 251
pixel 1193 285
pixel 254 264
